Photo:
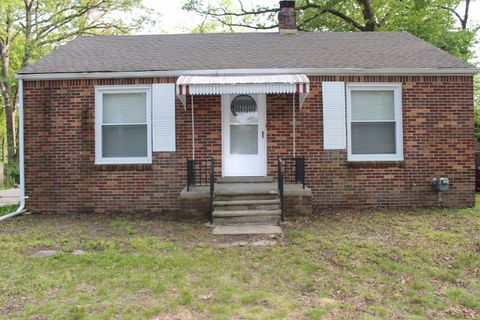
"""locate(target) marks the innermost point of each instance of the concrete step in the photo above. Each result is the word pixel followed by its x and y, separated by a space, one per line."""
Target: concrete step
pixel 245 180
pixel 246 229
pixel 232 217
pixel 260 204
pixel 244 213
pixel 246 202
pixel 248 207
pixel 245 188
pixel 245 197
pixel 273 220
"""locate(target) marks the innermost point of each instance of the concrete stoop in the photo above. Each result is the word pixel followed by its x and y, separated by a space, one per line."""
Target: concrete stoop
pixel 246 229
pixel 246 201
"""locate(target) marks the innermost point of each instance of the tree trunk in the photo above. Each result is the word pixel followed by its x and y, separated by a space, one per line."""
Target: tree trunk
pixel 6 88
pixel 8 93
pixel 368 16
pixel 7 99
pixel 465 16
pixel 27 52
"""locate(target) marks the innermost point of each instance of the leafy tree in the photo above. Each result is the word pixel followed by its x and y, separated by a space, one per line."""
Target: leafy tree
pixel 30 29
pixel 432 20
pixel 209 26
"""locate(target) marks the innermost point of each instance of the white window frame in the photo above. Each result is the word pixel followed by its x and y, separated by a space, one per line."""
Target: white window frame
pixel 397 92
pixel 99 92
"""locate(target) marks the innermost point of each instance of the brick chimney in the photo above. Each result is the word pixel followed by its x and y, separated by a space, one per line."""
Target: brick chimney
pixel 287 17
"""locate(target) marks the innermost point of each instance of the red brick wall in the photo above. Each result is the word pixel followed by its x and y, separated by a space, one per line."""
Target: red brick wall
pixel 60 149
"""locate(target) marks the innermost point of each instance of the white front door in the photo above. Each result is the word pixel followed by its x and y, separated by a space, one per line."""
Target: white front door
pixel 244 135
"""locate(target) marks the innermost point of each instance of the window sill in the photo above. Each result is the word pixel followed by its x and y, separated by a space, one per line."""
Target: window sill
pixel 376 164
pixel 123 167
pixel 123 161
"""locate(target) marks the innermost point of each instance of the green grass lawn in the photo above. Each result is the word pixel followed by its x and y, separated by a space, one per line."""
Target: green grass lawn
pixel 7 209
pixel 346 264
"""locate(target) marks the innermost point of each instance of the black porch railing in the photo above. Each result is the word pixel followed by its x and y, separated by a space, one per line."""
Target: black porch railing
pixel 202 173
pixel 289 170
pixel 198 172
pixel 294 170
pixel 281 185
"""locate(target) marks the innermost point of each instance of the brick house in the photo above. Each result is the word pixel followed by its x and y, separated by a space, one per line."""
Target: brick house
pixel 477 165
pixel 131 123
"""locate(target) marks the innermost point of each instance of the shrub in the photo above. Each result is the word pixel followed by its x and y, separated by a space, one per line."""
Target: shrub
pixel 12 174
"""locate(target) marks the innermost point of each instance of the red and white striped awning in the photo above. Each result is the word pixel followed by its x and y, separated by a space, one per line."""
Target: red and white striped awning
pixel 266 84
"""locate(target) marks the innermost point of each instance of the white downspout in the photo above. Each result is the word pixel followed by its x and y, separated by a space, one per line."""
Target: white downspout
pixel 294 128
pixel 21 159
pixel 193 130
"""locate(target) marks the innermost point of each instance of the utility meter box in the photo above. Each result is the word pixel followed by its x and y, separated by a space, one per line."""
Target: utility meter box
pixel 440 184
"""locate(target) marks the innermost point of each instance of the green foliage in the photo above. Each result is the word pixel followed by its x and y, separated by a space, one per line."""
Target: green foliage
pixel 12 174
pixel 432 20
pixel 7 209
pixel 208 26
pixel 57 22
pixel 30 29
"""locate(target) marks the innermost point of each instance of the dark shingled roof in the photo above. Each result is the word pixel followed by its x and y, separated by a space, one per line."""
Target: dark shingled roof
pixel 359 50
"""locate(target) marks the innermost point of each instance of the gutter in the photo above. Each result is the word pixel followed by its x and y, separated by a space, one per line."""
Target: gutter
pixel 231 72
pixel 21 209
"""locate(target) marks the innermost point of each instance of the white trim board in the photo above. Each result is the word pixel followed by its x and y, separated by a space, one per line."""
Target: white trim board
pixel 397 90
pixel 222 72
pixel 99 91
pixel 244 165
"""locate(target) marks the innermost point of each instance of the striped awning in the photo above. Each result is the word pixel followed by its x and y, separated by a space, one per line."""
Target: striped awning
pixel 266 84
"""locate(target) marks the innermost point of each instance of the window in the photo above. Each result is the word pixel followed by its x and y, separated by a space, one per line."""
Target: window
pixel 374 118
pixel 123 124
pixel 243 125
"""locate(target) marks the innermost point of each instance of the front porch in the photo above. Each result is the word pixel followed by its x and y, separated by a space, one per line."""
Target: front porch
pixel 246 200
pixel 249 181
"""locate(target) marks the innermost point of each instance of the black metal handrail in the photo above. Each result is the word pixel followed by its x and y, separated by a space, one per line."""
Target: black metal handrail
pixel 289 170
pixel 281 185
pixel 198 172
pixel 202 173
pixel 212 189
pixel 294 170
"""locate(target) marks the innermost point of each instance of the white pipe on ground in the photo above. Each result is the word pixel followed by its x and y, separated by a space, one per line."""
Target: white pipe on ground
pixel 21 158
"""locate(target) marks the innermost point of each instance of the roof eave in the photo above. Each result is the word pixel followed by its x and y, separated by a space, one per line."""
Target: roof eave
pixel 225 72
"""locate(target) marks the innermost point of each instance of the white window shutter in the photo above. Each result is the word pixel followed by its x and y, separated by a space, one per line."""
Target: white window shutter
pixel 163 123
pixel 334 131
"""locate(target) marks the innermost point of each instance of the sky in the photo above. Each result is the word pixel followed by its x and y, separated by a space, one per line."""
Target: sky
pixel 172 19
pixel 175 20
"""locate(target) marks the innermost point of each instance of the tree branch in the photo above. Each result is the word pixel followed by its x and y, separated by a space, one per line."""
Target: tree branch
pixel 67 19
pixel 451 10
pixel 368 15
pixel 218 14
pixel 83 31
pixel 233 24
pixel 347 19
